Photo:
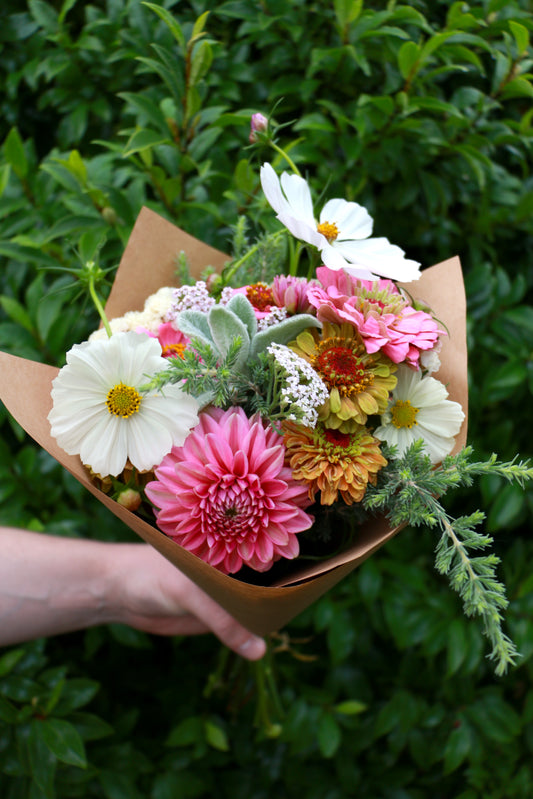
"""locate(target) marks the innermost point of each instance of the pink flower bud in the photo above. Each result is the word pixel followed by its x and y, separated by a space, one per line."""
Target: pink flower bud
pixel 258 124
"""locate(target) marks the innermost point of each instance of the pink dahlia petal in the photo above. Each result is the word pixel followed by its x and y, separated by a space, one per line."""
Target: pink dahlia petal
pixel 226 496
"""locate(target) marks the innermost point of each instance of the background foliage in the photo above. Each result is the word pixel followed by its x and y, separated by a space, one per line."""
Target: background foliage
pixel 423 114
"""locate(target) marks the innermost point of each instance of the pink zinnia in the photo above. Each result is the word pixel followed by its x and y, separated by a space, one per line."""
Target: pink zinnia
pixel 227 497
pixel 381 315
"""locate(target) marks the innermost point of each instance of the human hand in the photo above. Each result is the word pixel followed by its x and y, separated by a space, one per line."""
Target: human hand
pixel 150 594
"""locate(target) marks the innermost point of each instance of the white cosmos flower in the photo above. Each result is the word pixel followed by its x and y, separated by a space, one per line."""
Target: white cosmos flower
pixel 341 234
pixel 419 408
pixel 99 414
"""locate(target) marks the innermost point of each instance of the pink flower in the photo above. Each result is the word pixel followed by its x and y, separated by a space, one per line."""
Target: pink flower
pixel 226 496
pixel 258 124
pixel 291 293
pixel 172 341
pixel 382 316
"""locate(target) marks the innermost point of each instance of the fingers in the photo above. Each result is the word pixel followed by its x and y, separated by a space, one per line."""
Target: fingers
pixel 224 626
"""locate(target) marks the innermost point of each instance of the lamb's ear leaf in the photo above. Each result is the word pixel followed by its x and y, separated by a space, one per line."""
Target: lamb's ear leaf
pixel 194 324
pixel 282 333
pixel 225 327
pixel 243 308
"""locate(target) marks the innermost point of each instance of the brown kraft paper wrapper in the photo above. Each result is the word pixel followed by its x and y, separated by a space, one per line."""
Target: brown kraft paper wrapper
pixel 148 263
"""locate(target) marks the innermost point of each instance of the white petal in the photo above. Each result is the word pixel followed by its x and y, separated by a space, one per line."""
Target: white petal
pixel 272 189
pixel 444 419
pixel 437 447
pixel 353 220
pixel 298 195
pixel 301 230
pixel 105 448
pixel 332 258
pixel 380 257
pixel 408 381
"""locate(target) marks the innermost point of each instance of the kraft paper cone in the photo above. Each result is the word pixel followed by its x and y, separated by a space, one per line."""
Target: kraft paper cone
pixel 148 263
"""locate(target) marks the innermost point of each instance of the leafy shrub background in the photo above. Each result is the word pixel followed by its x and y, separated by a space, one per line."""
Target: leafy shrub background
pixel 423 114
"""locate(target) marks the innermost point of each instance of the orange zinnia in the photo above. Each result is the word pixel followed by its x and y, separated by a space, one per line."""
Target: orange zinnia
pixel 331 462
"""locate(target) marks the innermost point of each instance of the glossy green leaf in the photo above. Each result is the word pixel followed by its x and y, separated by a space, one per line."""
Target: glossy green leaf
pixel 144 139
pixel 521 35
pixel 328 734
pixel 458 746
pixel 408 58
pixel 15 154
pixel 63 740
pixel 169 20
pixel 216 736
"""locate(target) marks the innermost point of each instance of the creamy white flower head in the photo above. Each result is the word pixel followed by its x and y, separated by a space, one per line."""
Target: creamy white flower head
pixel 419 408
pixel 150 318
pixel 341 234
pixel 99 413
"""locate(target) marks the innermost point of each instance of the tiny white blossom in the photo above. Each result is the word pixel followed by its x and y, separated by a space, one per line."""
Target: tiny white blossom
pixel 273 317
pixel 194 298
pixel 303 391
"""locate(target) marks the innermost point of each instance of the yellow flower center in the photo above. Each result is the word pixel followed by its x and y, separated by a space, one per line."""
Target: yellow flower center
pixel 173 351
pixel 260 295
pixel 403 414
pixel 123 400
pixel 329 230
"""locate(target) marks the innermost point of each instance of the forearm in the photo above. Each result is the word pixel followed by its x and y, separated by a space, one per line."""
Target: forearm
pixel 50 585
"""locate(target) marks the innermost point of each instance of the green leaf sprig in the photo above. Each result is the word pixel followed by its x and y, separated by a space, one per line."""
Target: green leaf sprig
pixel 408 493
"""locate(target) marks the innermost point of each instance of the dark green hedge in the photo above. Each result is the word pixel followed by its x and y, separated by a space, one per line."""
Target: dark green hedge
pixel 420 112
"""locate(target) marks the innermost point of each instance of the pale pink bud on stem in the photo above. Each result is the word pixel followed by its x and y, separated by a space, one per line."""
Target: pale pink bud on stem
pixel 258 124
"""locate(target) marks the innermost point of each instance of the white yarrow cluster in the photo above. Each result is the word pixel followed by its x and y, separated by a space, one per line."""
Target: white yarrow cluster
pixel 273 317
pixel 153 315
pixel 302 389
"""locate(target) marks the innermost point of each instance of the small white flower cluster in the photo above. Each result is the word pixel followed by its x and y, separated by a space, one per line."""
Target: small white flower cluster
pixel 226 295
pixel 273 317
pixel 303 390
pixel 190 298
pixel 153 315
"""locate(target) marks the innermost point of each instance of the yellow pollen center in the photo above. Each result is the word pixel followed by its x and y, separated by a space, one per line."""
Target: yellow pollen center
pixel 403 414
pixel 329 230
pixel 173 351
pixel 123 400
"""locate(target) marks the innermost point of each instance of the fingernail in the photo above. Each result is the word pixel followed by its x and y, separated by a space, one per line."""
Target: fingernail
pixel 253 648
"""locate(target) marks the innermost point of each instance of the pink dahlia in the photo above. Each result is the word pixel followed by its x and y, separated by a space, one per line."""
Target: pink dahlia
pixel 227 497
pixel 383 318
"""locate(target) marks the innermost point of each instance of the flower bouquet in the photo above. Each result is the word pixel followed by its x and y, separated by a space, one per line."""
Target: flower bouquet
pixel 269 435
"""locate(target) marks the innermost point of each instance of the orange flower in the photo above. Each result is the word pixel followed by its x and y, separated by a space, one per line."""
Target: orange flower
pixel 331 462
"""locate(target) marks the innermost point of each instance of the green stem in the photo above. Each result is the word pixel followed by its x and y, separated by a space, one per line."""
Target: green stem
pixel 286 157
pixel 98 305
pixel 295 252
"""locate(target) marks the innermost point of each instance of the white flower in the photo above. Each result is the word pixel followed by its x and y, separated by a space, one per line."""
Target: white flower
pixel 99 414
pixel 419 408
pixel 153 315
pixel 302 390
pixel 342 233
